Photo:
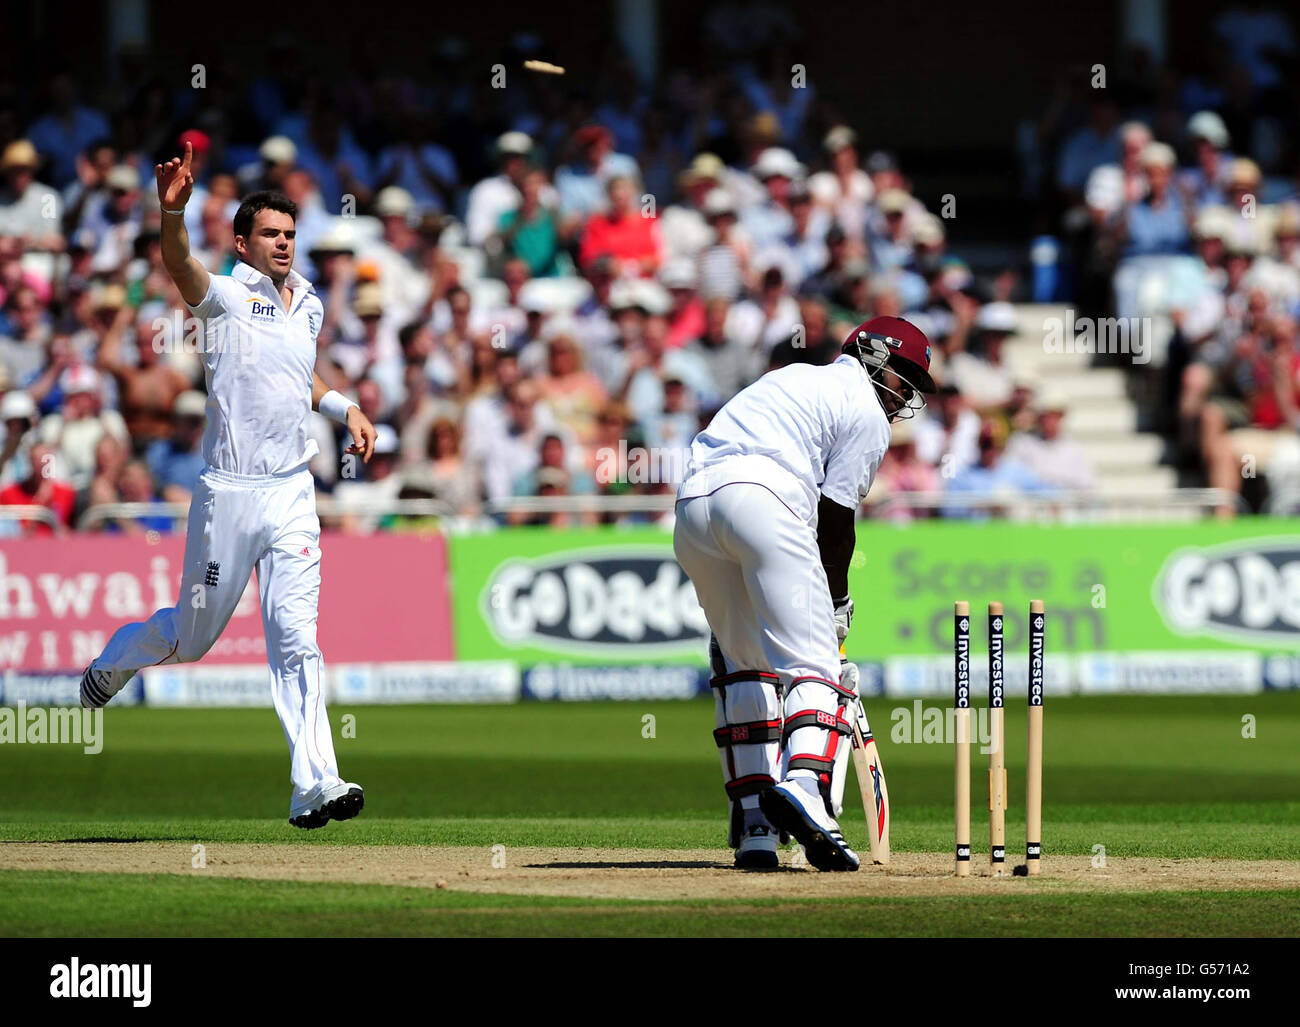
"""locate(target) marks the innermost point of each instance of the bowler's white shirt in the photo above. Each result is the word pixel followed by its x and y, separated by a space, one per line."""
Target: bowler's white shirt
pixel 800 431
pixel 258 361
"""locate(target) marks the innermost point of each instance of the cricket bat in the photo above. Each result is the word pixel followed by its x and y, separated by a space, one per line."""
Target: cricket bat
pixel 871 782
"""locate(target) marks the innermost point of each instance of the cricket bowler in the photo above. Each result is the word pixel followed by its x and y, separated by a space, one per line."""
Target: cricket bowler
pixel 765 531
pixel 255 504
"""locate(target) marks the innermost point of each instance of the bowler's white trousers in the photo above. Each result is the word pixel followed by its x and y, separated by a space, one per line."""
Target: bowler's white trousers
pixel 238 523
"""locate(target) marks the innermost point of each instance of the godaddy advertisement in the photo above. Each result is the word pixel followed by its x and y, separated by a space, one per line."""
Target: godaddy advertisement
pixel 1196 607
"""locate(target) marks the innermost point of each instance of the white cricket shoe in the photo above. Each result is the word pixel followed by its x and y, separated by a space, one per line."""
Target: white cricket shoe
pixel 342 801
pixel 757 849
pixel 793 810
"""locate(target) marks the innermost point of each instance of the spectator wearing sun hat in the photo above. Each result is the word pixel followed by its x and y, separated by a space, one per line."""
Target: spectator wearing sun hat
pixel 1203 183
pixel 18 418
pixel 844 189
pixel 1053 456
pixel 770 221
pixel 177 461
pixel 489 199
pixel 1157 224
pixel 684 226
pixel 75 430
pixel 115 220
pixel 982 376
pixel 29 210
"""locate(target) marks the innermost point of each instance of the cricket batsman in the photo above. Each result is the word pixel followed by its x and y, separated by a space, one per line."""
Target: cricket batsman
pixel 255 504
pixel 765 531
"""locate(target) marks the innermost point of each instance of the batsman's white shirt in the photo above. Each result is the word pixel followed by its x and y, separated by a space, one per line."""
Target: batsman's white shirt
pixel 800 432
pixel 254 507
pixel 746 535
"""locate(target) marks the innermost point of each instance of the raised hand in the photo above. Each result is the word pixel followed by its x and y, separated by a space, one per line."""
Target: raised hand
pixel 175 180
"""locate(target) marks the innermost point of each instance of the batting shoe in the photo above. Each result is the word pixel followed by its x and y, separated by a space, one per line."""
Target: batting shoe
pixel 96 688
pixel 790 808
pixel 757 849
pixel 342 801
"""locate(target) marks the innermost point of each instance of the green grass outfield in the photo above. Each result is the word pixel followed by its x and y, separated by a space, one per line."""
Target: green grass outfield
pixel 1142 776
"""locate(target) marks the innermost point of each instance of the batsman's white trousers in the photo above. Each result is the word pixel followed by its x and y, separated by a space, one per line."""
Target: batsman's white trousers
pixel 238 523
pixel 758 575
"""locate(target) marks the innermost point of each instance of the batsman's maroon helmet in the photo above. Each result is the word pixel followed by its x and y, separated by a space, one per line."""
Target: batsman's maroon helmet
pixel 898 343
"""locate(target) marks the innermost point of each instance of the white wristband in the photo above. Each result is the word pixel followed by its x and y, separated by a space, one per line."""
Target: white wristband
pixel 334 405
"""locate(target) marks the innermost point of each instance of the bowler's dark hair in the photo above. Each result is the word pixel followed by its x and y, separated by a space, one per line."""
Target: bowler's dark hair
pixel 265 199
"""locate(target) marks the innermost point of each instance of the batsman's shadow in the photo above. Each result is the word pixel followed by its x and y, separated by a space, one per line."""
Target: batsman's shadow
pixel 656 864
pixel 648 864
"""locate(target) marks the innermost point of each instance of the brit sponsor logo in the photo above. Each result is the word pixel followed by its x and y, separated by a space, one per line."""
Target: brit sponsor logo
pixel 616 602
pixel 1246 592
pixel 261 310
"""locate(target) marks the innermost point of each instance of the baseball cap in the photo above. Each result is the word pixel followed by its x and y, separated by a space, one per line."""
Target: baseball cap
pixel 278 150
pixel 79 378
pixel 1052 401
pixel 122 177
pixel 881 161
pixel 17 404
pixel 386 440
pixel 1243 173
pixel 777 161
pixel 678 273
pixel 1158 154
pixel 198 140
pixel 997 317
pixel 190 403
pixel 718 202
pixel 517 143
pixel 706 167
pixel 928 230
pixel 1209 126
pixel 894 201
pixel 368 300
pixel 338 238
pixel 19 154
pixel 839 137
pixel 394 201
pixel 589 135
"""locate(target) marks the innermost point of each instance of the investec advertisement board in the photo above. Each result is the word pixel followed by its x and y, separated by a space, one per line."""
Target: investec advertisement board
pixel 1198 607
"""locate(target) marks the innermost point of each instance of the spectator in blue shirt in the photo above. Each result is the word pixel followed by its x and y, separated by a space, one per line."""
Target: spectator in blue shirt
pixel 1157 226
pixel 1096 143
pixel 67 130
pixel 176 462
pixel 581 184
pixel 993 474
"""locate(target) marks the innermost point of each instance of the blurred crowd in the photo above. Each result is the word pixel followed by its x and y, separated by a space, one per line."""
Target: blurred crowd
pixel 545 290
pixel 1177 197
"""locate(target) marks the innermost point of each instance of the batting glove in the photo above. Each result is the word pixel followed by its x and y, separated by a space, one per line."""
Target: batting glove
pixel 843 618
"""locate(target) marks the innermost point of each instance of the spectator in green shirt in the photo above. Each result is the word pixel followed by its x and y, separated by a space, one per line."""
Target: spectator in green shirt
pixel 531 232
